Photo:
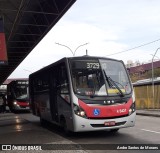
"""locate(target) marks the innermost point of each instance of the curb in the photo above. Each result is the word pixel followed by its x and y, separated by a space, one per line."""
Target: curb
pixel 145 114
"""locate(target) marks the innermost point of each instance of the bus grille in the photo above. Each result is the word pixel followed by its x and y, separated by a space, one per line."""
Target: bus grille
pixel 102 125
pixel 113 117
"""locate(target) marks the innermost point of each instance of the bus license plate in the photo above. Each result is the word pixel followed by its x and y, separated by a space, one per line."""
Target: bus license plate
pixel 111 123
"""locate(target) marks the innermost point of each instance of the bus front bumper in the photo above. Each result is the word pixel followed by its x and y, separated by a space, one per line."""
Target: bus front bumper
pixel 83 124
pixel 18 107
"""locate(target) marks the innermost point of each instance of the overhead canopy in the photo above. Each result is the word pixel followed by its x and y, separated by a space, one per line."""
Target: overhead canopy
pixel 26 22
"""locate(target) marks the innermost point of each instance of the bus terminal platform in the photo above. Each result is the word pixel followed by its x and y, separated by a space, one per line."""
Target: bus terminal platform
pixel 25 128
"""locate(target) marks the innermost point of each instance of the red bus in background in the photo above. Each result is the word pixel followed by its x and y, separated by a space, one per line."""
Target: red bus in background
pixel 17 96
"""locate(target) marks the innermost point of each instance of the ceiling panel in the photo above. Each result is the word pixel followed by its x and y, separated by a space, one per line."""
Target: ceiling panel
pixel 26 22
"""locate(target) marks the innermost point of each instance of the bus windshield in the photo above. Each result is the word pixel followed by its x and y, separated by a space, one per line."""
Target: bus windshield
pixel 20 92
pixel 101 77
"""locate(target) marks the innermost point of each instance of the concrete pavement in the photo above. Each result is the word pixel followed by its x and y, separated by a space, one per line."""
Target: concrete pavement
pixel 19 130
pixel 9 123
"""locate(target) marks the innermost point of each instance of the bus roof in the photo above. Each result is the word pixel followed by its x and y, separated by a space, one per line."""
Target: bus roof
pixel 76 58
pixel 13 81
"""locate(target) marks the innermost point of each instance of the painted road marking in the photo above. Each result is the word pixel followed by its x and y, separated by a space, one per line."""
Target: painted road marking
pixel 150 131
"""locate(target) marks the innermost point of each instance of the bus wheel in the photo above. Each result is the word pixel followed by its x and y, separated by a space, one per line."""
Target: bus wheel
pixel 64 126
pixel 42 121
pixel 114 130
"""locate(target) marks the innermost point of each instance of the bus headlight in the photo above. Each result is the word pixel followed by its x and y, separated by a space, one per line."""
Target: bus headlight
pixel 15 103
pixel 132 108
pixel 82 113
pixel 79 111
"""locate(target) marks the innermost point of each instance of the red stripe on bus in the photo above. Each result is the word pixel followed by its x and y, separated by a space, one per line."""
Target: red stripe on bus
pixel 22 103
pixel 106 110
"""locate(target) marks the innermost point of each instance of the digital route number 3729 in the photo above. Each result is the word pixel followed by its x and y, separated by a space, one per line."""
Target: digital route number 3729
pixel 93 66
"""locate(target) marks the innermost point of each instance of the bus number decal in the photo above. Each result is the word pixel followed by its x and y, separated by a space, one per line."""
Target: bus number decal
pixel 121 110
pixel 92 65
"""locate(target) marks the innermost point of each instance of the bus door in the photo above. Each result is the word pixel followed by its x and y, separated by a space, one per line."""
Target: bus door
pixel 60 96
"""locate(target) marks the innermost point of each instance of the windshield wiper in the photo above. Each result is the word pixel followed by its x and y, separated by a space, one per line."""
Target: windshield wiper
pixel 112 83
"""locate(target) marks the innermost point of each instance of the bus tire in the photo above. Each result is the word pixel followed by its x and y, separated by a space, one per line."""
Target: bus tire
pixel 114 130
pixel 42 121
pixel 64 126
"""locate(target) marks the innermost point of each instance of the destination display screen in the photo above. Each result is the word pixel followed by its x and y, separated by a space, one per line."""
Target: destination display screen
pixel 85 64
pixel 22 82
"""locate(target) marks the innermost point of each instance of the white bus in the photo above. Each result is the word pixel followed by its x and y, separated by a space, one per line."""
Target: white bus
pixel 84 94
